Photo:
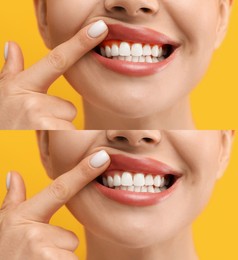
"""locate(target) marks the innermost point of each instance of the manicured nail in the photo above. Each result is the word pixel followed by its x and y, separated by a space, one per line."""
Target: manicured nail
pixel 97 29
pixel 99 159
pixel 6 48
pixel 8 180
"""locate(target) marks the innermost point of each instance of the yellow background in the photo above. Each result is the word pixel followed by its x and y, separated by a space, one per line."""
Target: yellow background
pixel 215 231
pixel 213 102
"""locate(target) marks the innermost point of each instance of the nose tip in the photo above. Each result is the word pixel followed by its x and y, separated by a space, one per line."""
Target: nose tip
pixel 134 137
pixel 132 7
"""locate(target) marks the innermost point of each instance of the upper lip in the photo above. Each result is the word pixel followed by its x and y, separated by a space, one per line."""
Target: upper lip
pixel 138 35
pixel 145 165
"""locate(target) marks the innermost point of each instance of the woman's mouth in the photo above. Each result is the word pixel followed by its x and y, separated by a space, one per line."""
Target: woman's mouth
pixel 135 51
pixel 137 182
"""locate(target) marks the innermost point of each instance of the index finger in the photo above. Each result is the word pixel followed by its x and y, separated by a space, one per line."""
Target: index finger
pixel 43 205
pixel 42 74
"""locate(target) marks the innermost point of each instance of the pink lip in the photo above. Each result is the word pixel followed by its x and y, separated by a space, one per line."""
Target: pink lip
pixel 145 165
pixel 141 35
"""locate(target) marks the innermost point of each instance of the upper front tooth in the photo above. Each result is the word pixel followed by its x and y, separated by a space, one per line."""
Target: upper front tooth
pixel 137 50
pixel 139 179
pixel 117 180
pixel 126 179
pixel 125 49
pixel 115 50
pixel 149 181
pixel 147 50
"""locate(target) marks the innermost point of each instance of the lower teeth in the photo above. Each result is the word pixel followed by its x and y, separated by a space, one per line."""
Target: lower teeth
pixel 147 59
pixel 150 189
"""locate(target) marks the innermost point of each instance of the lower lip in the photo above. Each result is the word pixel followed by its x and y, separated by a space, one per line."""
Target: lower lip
pixel 136 198
pixel 136 69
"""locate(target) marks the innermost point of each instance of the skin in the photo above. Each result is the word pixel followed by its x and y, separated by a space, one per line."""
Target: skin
pixel 24 224
pixel 168 109
pixel 201 156
pixel 23 100
pixel 103 107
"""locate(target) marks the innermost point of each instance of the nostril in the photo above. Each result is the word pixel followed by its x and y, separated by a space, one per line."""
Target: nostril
pixel 118 9
pixel 121 139
pixel 148 140
pixel 146 10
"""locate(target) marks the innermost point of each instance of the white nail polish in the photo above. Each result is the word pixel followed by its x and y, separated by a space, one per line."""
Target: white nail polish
pixel 6 48
pixel 99 159
pixel 8 180
pixel 97 29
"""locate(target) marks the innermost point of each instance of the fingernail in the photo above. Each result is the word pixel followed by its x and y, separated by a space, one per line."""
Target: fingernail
pixel 97 29
pixel 8 180
pixel 99 159
pixel 6 48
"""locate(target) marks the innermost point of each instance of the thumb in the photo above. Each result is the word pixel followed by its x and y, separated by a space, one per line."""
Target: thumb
pixel 16 193
pixel 14 59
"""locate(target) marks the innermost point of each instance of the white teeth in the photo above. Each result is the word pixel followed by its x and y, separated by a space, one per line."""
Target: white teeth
pixel 115 50
pixel 144 189
pixel 104 181
pixel 137 50
pixel 117 180
pixel 131 188
pixel 136 182
pixel 155 60
pixel 125 49
pixel 134 52
pixel 158 189
pixel 103 52
pixel 110 181
pixel 135 59
pixel 142 59
pixel 139 179
pixel 129 58
pixel 162 182
pixel 151 189
pixel 155 51
pixel 108 52
pixel 148 59
pixel 126 179
pixel 121 58
pixel 157 181
pixel 147 50
pixel 149 180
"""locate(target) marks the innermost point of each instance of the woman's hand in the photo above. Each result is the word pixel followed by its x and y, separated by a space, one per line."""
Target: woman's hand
pixel 25 232
pixel 23 100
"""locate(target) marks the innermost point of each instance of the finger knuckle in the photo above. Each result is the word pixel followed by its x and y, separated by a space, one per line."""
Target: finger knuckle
pixel 59 190
pixel 47 254
pixel 72 110
pixel 57 59
pixel 33 235
pixel 31 104
pixel 74 240
pixel 45 123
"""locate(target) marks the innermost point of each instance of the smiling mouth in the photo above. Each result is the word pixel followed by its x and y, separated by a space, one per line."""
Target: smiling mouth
pixel 137 182
pixel 134 52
